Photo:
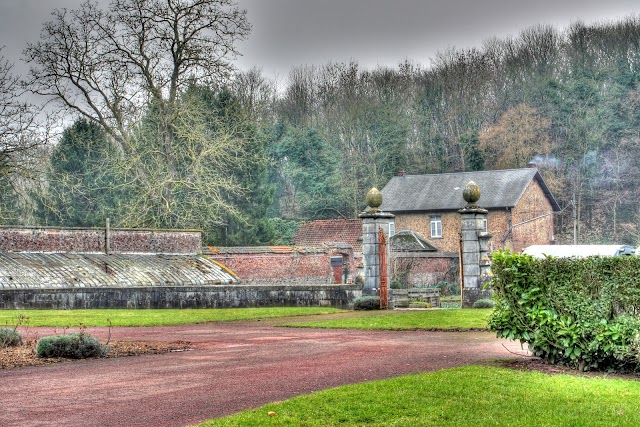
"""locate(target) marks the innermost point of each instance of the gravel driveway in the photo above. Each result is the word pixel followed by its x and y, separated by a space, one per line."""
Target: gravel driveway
pixel 233 366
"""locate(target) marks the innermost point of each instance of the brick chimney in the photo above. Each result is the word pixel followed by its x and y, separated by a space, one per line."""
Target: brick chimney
pixel 401 173
pixel 532 164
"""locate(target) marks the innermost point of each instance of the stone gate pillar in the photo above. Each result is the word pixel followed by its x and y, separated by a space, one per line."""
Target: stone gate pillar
pixel 374 219
pixel 474 245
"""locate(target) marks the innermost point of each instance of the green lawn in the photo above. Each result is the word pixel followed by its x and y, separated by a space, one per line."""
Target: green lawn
pixel 164 317
pixel 468 396
pixel 407 320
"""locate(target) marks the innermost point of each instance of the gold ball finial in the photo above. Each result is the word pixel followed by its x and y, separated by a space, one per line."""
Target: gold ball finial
pixel 374 200
pixel 471 193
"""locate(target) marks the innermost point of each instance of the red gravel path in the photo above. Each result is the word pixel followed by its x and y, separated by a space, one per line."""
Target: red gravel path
pixel 234 366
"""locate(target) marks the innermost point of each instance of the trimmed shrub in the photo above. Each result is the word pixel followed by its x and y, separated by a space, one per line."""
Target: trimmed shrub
pixel 483 303
pixel 579 312
pixel 78 345
pixel 367 303
pixel 10 338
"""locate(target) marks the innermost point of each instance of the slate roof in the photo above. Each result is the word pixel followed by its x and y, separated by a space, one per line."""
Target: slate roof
pixel 329 232
pixel 441 192
pixel 253 250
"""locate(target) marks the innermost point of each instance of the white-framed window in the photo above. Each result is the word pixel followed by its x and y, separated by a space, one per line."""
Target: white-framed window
pixel 392 229
pixel 436 226
pixel 485 226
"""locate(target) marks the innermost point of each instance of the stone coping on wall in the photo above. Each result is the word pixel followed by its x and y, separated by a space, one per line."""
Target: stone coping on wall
pixel 257 250
pixel 217 286
pixel 403 254
pixel 90 240
pixel 51 227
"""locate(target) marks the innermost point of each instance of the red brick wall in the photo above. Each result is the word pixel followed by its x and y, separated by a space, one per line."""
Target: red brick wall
pixel 284 268
pixel 50 239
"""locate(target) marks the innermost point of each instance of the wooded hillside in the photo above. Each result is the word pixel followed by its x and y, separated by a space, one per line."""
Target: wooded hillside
pixel 246 162
pixel 569 101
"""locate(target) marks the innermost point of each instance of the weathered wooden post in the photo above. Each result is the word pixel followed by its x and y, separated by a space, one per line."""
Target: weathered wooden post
pixel 475 254
pixel 107 237
pixel 373 220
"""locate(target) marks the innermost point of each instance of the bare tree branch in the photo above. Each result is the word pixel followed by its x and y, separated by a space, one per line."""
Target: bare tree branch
pixel 126 68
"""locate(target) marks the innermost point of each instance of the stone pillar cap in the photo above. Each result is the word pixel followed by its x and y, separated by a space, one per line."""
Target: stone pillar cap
pixel 374 200
pixel 471 195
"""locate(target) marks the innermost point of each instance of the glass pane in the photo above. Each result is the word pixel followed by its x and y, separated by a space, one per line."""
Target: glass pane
pixel 436 226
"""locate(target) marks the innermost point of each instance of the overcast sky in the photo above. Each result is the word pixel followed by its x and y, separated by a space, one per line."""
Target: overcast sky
pixel 288 33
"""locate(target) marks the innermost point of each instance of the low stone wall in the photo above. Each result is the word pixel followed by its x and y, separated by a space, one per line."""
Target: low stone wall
pixel 54 239
pixel 232 296
pixel 416 297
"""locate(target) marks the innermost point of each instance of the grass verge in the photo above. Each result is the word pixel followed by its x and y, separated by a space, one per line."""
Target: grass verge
pixel 164 317
pixel 455 319
pixel 468 396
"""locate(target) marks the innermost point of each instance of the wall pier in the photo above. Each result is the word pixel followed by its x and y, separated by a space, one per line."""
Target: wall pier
pixel 372 221
pixel 474 247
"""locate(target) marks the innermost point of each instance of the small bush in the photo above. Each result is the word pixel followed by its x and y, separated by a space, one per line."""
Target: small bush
pixel 77 345
pixel 483 303
pixel 367 303
pixel 397 284
pixel 10 338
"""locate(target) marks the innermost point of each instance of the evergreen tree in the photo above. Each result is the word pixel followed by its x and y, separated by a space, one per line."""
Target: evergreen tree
pixel 80 190
pixel 308 180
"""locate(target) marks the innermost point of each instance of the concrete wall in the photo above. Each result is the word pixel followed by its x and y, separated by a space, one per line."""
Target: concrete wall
pixel 181 297
pixel 51 239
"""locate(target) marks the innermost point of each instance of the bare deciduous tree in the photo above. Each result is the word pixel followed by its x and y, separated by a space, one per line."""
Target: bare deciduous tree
pixel 21 137
pixel 134 60
pixel 18 137
pixel 109 65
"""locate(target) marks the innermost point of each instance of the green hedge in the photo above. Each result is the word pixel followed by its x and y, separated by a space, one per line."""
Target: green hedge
pixel 582 312
pixel 77 345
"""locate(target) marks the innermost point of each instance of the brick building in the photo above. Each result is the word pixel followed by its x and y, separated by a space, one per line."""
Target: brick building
pixel 519 202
